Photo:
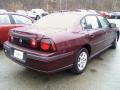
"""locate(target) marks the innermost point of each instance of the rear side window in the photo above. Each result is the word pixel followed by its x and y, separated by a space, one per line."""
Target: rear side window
pixel 92 22
pixel 83 23
pixel 104 22
pixel 21 19
pixel 4 19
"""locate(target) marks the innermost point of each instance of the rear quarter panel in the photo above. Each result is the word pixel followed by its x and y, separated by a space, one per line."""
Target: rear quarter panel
pixel 4 30
pixel 70 41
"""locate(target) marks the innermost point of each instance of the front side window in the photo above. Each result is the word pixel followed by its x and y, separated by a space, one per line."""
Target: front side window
pixel 92 22
pixel 4 19
pixel 21 19
pixel 104 22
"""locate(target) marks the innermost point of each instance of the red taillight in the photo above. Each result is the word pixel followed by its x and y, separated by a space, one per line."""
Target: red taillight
pixel 47 45
pixel 11 38
pixel 33 43
pixel 44 44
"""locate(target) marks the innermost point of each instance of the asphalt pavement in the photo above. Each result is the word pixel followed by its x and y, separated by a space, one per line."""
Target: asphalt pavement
pixel 102 73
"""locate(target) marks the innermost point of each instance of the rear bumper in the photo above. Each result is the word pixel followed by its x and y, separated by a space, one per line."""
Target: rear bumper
pixel 46 63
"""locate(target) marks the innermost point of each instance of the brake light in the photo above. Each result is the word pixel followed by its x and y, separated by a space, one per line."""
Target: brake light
pixel 47 45
pixel 33 43
pixel 11 38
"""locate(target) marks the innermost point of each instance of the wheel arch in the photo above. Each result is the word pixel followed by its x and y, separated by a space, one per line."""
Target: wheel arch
pixel 88 47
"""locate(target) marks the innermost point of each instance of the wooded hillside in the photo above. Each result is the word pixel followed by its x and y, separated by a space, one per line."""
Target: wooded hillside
pixel 109 5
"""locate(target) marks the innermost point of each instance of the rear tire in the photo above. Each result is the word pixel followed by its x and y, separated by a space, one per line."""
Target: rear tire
pixel 114 44
pixel 81 61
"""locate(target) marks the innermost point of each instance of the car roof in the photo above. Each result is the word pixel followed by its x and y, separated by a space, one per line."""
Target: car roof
pixel 14 13
pixel 9 13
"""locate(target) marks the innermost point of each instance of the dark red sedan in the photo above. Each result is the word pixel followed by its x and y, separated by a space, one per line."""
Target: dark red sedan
pixel 61 41
pixel 9 21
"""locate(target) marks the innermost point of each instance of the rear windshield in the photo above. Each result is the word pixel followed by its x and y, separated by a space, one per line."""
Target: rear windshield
pixel 57 21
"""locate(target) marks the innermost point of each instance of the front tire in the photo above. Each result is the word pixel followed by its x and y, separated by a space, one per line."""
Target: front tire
pixel 1 46
pixel 81 61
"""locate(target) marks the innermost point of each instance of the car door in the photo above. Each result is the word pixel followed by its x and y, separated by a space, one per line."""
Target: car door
pixel 110 34
pixel 5 26
pixel 96 34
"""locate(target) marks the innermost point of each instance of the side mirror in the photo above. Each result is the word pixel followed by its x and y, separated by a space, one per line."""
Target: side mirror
pixel 33 21
pixel 112 25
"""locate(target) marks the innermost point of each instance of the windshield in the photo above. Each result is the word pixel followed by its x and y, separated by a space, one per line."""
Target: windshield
pixel 57 21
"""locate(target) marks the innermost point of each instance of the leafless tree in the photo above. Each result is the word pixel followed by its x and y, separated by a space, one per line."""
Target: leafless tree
pixel 49 5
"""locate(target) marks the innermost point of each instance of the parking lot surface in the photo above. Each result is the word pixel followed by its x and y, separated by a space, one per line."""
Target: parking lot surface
pixel 102 73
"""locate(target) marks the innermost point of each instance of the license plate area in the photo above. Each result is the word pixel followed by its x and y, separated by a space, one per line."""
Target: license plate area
pixel 19 55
